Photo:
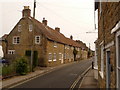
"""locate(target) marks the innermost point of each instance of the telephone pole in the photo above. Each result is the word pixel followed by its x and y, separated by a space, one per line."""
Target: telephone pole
pixel 32 46
pixel 34 8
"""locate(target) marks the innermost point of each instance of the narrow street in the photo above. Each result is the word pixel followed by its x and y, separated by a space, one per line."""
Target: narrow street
pixel 63 77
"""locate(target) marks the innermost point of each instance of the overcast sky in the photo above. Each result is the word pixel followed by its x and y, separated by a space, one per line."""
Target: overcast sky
pixel 73 17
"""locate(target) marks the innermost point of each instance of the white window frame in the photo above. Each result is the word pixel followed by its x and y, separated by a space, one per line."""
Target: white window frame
pixel 15 39
pixel 30 28
pixel 19 28
pixel 54 57
pixel 50 57
pixel 60 56
pixel 37 42
pixel 11 52
pixel 55 44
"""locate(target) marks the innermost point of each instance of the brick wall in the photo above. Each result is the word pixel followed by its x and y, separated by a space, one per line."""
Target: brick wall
pixel 107 20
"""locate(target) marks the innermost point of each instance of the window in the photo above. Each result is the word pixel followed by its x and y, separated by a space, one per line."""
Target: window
pixel 50 57
pixel 19 28
pixel 37 39
pixel 11 51
pixel 16 40
pixel 54 57
pixel 30 28
pixel 60 56
pixel 65 56
pixel 55 44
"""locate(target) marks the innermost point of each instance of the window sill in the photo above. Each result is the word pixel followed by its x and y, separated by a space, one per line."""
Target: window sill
pixel 54 60
pixel 50 60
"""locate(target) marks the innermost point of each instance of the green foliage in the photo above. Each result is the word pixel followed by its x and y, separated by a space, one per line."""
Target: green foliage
pixel 75 51
pixel 22 66
pixel 8 69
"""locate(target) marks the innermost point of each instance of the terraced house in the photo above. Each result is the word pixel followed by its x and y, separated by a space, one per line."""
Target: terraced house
pixel 51 46
pixel 108 44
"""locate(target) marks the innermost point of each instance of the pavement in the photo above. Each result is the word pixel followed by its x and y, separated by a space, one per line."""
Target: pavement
pixel 88 80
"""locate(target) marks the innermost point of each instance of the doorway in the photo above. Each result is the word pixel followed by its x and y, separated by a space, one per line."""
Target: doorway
pixel 108 69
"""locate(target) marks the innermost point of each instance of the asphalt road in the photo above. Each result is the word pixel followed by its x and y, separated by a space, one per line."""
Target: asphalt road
pixel 62 77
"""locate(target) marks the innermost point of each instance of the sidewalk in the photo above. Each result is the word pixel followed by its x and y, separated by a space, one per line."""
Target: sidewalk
pixel 89 80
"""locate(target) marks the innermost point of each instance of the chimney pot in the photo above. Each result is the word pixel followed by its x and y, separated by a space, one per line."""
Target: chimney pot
pixel 26 7
pixel 71 37
pixel 44 22
pixel 57 29
pixel 26 12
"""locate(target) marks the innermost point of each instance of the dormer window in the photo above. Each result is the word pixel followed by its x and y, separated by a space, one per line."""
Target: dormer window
pixel 30 28
pixel 19 28
pixel 37 39
pixel 16 40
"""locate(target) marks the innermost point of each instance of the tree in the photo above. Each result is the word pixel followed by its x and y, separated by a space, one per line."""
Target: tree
pixel 75 53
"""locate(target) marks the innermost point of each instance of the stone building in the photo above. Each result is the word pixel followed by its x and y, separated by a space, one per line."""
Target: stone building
pixel 108 49
pixel 29 34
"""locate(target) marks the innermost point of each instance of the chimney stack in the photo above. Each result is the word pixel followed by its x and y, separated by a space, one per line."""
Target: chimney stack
pixel 26 12
pixel 57 29
pixel 44 22
pixel 71 37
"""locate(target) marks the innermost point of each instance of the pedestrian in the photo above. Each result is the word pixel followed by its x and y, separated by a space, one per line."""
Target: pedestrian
pixel 92 65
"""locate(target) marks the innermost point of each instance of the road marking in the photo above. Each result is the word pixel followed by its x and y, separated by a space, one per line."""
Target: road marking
pixel 79 77
pixel 41 74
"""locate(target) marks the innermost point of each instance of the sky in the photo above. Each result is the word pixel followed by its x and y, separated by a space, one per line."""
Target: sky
pixel 73 17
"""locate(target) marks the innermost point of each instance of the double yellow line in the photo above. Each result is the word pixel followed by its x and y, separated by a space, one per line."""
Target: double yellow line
pixel 79 77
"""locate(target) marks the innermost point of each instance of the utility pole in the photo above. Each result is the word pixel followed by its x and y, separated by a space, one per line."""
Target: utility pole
pixel 32 46
pixel 34 8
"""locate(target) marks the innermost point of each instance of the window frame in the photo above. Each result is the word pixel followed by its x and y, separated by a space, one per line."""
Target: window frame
pixel 50 57
pixel 60 56
pixel 55 45
pixel 19 28
pixel 54 57
pixel 11 52
pixel 30 28
pixel 37 38
pixel 15 39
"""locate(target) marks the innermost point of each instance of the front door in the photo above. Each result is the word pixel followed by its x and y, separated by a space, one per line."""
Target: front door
pixel 108 67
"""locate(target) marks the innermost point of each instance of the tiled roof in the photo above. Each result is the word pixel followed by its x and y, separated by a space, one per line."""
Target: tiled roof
pixel 54 35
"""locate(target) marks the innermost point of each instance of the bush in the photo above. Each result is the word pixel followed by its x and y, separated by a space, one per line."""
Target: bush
pixel 8 69
pixel 22 66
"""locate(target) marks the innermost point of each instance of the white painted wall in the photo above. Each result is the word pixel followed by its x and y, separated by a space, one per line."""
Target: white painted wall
pixel 1 52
